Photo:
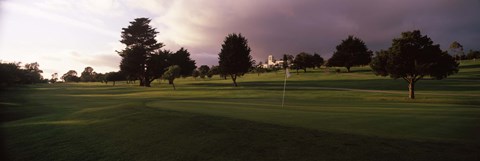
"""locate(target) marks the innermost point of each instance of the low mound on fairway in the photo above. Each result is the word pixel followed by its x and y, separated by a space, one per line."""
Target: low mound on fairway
pixel 327 116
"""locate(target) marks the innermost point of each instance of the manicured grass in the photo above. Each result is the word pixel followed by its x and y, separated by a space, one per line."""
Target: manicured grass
pixel 327 116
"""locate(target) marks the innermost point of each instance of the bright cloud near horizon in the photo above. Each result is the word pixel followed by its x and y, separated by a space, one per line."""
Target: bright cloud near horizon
pixel 72 34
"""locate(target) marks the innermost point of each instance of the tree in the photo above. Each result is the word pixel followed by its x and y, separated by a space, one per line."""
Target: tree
pixel 214 70
pixel 100 77
pixel 88 75
pixel 140 56
pixel 158 64
pixel 317 60
pixel 303 61
pixel 172 72
pixel 70 76
pixel 54 78
pixel 412 57
pixel 351 52
pixel 234 58
pixel 32 73
pixel 114 76
pixel 473 54
pixel 203 71
pixel 259 69
pixel 195 74
pixel 182 59
pixel 10 73
pixel 285 62
pixel 457 50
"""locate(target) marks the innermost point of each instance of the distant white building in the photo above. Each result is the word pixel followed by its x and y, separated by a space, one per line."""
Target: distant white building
pixel 271 62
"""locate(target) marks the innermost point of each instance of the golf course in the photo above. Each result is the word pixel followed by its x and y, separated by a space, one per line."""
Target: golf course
pixel 326 116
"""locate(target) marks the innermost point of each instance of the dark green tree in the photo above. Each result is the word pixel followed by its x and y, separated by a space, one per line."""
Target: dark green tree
pixel 172 72
pixel 473 54
pixel 100 77
pixel 412 57
pixel 457 50
pixel 234 58
pixel 183 60
pixel 88 75
pixel 158 64
pixel 285 62
pixel 70 76
pixel 114 77
pixel 195 74
pixel 140 56
pixel 351 52
pixel 32 73
pixel 214 70
pixel 259 69
pixel 54 78
pixel 10 74
pixel 303 61
pixel 317 60
pixel 204 69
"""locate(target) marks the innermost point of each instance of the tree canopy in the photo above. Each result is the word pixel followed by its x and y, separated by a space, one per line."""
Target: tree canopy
pixel 351 52
pixel 457 50
pixel 214 70
pixel 317 60
pixel 195 74
pixel 88 75
pixel 13 73
pixel 303 61
pixel 114 76
pixel 184 62
pixel 172 72
pixel 412 57
pixel 234 58
pixel 70 76
pixel 204 69
pixel 472 54
pixel 32 73
pixel 141 56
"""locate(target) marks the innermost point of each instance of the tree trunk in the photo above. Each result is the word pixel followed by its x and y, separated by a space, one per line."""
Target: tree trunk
pixel 348 69
pixel 411 90
pixel 147 83
pixel 113 83
pixel 173 86
pixel 234 78
pixel 304 70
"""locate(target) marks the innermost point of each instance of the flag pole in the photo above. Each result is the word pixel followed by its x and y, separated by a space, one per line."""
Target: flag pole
pixel 284 85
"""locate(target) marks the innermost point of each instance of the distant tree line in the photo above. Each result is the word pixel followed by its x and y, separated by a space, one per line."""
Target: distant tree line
pixel 14 74
pixel 204 71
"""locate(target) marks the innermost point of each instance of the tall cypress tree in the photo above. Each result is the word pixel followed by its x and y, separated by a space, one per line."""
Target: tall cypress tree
pixel 141 46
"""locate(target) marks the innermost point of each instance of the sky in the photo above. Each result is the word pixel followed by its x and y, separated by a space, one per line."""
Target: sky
pixel 72 34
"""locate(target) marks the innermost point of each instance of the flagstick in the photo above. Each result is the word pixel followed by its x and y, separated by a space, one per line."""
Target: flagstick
pixel 284 85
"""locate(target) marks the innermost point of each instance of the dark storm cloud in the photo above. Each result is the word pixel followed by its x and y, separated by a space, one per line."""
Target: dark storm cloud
pixel 279 27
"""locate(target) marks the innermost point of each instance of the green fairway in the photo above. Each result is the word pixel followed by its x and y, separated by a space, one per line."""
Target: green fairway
pixel 327 116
